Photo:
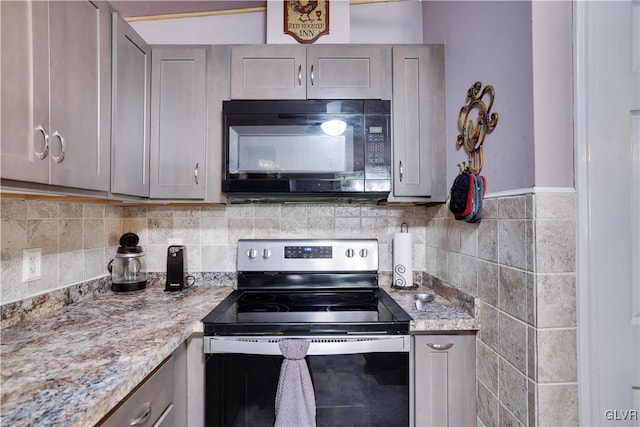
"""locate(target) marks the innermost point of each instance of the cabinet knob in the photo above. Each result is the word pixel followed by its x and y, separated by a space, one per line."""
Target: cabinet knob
pixel 266 253
pixel 42 154
pixel 364 253
pixel 350 253
pixel 252 253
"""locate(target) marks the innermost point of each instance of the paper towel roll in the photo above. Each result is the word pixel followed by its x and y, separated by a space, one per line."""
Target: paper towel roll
pixel 402 260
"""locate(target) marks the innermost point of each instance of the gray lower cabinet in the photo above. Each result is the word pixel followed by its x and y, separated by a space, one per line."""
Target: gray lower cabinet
pixel 56 89
pixel 131 88
pixel 179 96
pixel 188 382
pixel 150 404
pixel 419 146
pixel 444 380
pixel 313 72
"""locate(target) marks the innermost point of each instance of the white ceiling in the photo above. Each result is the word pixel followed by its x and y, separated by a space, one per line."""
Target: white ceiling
pixel 138 8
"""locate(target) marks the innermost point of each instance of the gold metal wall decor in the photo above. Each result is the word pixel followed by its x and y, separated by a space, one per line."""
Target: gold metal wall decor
pixel 473 132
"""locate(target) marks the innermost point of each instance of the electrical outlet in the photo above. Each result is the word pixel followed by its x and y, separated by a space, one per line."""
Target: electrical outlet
pixel 31 264
pixel 171 241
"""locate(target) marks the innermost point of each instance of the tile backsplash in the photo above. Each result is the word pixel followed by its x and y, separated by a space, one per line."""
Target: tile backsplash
pixel 79 239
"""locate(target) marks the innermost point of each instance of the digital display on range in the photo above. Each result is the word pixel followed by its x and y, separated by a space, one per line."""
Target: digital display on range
pixel 308 252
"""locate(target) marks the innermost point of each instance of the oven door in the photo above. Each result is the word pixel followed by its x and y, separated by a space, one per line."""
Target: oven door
pixel 361 381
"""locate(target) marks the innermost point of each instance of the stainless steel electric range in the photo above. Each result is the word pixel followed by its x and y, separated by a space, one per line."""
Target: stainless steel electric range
pixel 322 291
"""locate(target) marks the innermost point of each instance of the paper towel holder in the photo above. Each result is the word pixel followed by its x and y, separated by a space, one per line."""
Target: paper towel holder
pixel 402 276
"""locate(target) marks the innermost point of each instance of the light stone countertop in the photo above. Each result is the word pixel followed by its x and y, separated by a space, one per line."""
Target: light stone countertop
pixel 71 367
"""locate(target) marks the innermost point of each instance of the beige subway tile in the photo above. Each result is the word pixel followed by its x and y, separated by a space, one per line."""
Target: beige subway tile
pixel 71 267
pixel 214 257
pixel 512 241
pixel 555 246
pixel 557 355
pixel 469 275
pixel 558 405
pixel 556 300
pixel 92 210
pixel 42 209
pixel 69 235
pixel 266 211
pixel 513 390
pixel 488 405
pixel 13 209
pixel 512 291
pixel 94 236
pixel 488 332
pixel 70 210
pixel 266 228
pixel 488 240
pixel 487 366
pixel 13 234
pixel 512 207
pixel 555 205
pixel 11 286
pixel 513 341
pixel 159 230
pixel 43 233
pixel 488 282
pixel 190 211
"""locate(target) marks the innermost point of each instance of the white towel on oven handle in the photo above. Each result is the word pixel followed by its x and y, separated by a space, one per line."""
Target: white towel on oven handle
pixel 295 399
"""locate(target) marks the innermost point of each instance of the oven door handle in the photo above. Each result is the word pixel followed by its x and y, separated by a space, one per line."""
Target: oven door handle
pixel 319 345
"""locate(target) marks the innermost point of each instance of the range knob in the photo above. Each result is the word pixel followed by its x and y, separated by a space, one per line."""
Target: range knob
pixel 350 253
pixel 266 253
pixel 364 253
pixel 252 253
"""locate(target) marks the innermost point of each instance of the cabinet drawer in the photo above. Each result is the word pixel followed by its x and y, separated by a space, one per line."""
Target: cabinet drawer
pixel 148 402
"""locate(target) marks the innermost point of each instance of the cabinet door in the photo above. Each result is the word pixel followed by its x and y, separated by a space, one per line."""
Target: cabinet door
pixel 80 105
pixel 268 72
pixel 444 380
pixel 342 72
pixel 418 122
pixel 130 102
pixel 24 91
pixel 178 122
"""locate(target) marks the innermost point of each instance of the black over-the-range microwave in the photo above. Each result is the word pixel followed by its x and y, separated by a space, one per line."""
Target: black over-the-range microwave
pixel 300 149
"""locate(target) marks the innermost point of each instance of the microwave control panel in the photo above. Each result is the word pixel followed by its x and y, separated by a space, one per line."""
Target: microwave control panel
pixel 377 147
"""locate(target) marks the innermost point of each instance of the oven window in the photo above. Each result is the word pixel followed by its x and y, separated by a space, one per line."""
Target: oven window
pixel 351 390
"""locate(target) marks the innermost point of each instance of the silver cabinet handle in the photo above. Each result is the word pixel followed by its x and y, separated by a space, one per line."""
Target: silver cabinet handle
pixel 440 346
pixel 195 173
pixel 144 417
pixel 300 75
pixel 60 157
pixel 400 171
pixel 312 78
pixel 42 154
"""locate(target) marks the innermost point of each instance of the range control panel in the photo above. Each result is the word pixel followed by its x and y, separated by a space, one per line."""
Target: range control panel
pixel 308 252
pixel 308 255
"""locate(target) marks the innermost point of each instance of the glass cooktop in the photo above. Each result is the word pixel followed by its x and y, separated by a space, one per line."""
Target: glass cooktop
pixel 291 312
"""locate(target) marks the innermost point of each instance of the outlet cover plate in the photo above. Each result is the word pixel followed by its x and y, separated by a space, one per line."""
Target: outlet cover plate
pixel 31 260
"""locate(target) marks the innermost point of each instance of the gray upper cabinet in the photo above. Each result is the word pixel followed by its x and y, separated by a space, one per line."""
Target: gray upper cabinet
pixel 419 151
pixel 444 380
pixel 179 94
pixel 56 87
pixel 131 65
pixel 313 72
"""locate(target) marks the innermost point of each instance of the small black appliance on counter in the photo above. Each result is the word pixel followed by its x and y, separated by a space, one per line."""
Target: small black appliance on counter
pixel 176 268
